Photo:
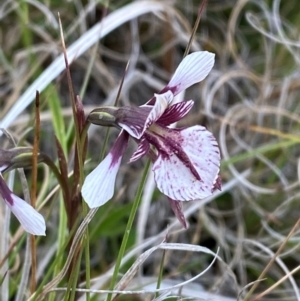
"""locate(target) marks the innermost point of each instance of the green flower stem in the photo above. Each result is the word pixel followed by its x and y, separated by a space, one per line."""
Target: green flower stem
pixel 54 264
pixel 104 144
pixel 161 271
pixel 71 290
pixel 62 213
pixel 86 246
pixel 86 238
pixel 83 136
pixel 128 229
pixel 53 167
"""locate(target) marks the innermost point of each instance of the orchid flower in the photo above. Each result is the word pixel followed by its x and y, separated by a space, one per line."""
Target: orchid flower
pixel 187 160
pixel 32 221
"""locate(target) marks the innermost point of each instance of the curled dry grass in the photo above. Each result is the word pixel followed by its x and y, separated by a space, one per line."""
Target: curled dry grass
pixel 249 101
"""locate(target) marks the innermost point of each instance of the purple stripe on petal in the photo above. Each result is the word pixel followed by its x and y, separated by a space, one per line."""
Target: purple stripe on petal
pixel 161 104
pixel 29 218
pixel 168 141
pixel 133 119
pixel 98 187
pixel 141 151
pixel 5 192
pixel 175 112
pixel 119 147
pixel 32 221
pixel 176 179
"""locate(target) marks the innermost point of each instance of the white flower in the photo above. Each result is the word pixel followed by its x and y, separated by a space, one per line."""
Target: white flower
pixel 32 221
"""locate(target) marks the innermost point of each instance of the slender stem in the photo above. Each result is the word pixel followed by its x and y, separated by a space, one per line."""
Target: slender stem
pixel 73 103
pixel 195 28
pixel 83 136
pixel 86 246
pixel 62 214
pixel 54 264
pixel 45 159
pixel 161 271
pixel 104 144
pixel 71 289
pixel 86 238
pixel 263 273
pixel 80 143
pixel 135 206
pixel 33 189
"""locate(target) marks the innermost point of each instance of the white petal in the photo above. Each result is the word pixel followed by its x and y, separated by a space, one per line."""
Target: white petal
pixel 141 151
pixel 98 186
pixel 161 104
pixel 32 221
pixel 175 179
pixel 193 69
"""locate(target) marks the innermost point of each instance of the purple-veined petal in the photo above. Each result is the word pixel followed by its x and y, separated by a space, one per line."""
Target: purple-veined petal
pixel 98 187
pixel 135 121
pixel 161 104
pixel 141 151
pixel 175 112
pixel 176 180
pixel 178 211
pixel 32 221
pixel 193 69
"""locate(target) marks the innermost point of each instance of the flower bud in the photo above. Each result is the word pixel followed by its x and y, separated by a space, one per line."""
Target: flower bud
pixel 18 157
pixel 105 116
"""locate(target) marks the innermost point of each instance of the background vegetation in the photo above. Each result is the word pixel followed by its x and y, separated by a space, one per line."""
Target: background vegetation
pixel 250 101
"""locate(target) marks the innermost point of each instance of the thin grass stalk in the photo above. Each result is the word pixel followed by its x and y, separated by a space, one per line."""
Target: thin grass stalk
pixel 44 290
pixel 34 188
pixel 79 148
pixel 12 246
pixel 5 249
pixel 86 238
pixel 59 129
pixel 271 288
pixel 57 117
pixel 61 240
pixel 87 262
pixel 263 273
pixel 73 103
pixel 77 271
pixel 26 35
pixel 89 70
pixel 133 211
pixel 186 52
pixel 86 246
pixel 23 283
pixel 54 263
pixel 71 289
pixel 161 271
